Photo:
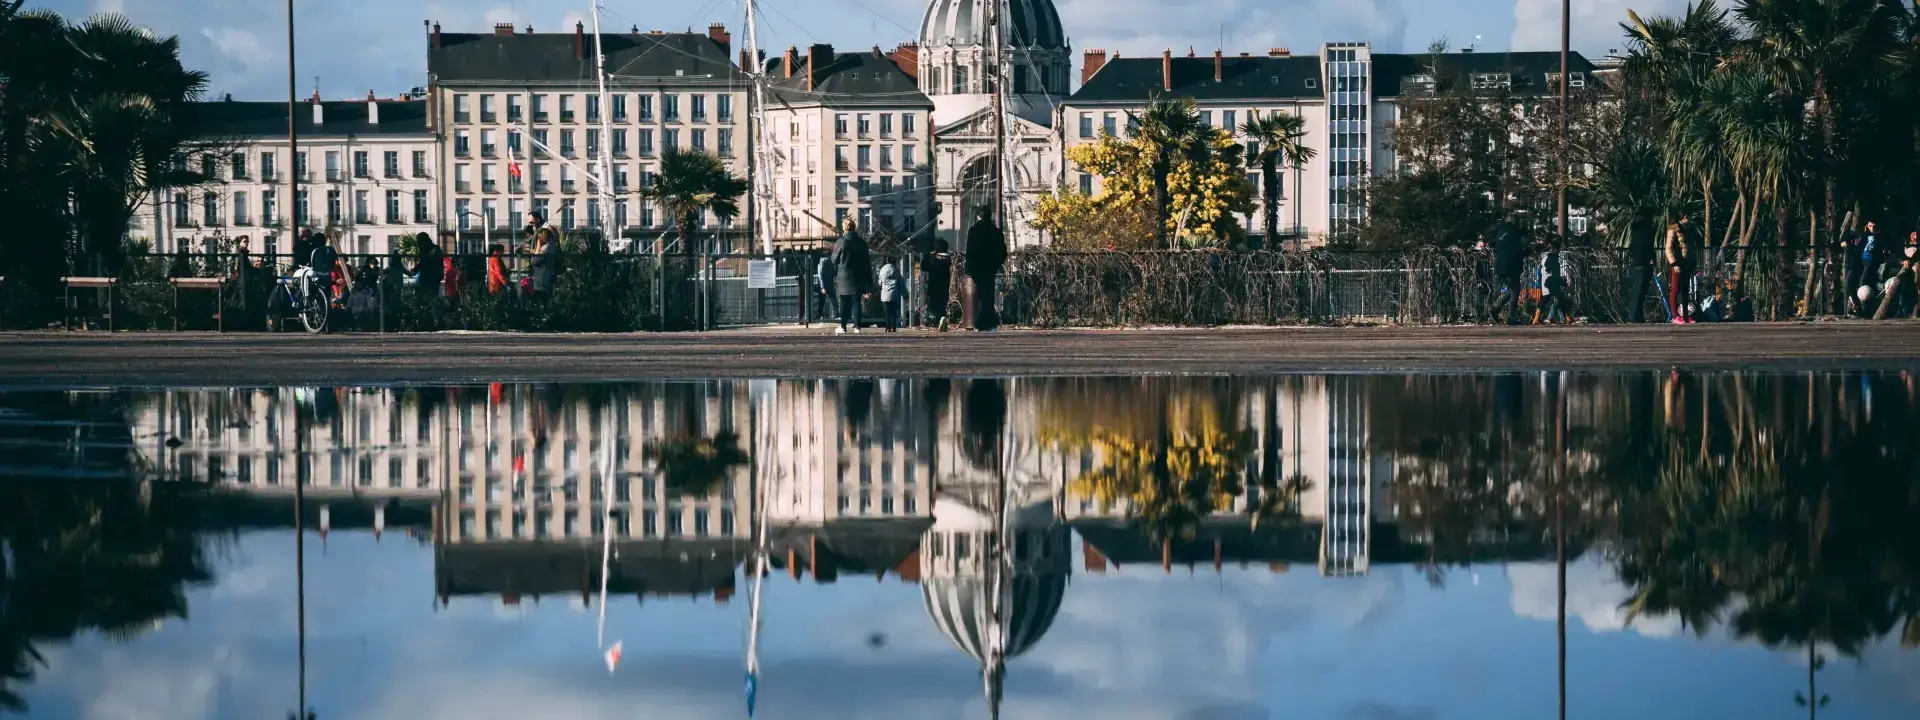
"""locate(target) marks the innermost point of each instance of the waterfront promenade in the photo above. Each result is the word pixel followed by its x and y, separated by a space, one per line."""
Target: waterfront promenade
pixel 202 359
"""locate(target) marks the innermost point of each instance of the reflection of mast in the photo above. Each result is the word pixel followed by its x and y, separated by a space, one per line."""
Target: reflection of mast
pixel 993 671
pixel 606 533
pixel 759 496
pixel 301 468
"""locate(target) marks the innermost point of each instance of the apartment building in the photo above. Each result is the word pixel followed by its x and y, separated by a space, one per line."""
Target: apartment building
pixel 367 172
pixel 851 138
pixel 520 100
pixel 1349 96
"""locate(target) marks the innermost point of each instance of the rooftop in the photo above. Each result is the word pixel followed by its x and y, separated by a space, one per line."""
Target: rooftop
pixel 856 78
pixel 339 118
pixel 507 54
pixel 1299 77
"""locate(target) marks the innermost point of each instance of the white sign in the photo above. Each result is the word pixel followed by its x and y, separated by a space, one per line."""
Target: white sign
pixel 760 275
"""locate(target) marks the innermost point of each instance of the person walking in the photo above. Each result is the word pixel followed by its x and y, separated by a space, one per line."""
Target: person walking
pixel 1682 254
pixel 1639 268
pixel 496 269
pixel 824 295
pixel 1509 252
pixel 986 254
pixel 1554 302
pixel 852 274
pixel 1863 251
pixel 429 268
pixel 937 280
pixel 546 261
pixel 892 293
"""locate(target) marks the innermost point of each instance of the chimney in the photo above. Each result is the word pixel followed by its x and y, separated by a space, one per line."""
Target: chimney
pixel 744 62
pixel 529 28
pixel 1189 51
pixel 819 56
pixel 579 40
pixel 877 53
pixel 373 109
pixel 1096 563
pixel 1166 69
pixel 318 117
pixel 1279 52
pixel 503 28
pixel 718 32
pixel 788 59
pixel 436 36
pixel 1219 67
pixel 907 58
pixel 1091 63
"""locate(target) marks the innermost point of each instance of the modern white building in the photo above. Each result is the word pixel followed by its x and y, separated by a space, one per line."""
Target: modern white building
pixel 367 173
pixel 1350 97
pixel 851 137
pixel 513 98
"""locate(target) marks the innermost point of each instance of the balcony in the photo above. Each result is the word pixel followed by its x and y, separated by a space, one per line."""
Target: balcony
pixel 840 134
pixel 513 115
pixel 566 151
pixel 304 176
pixel 566 116
pixel 335 176
pixel 566 186
pixel 539 116
pixel 841 165
pixel 699 117
pixel 646 151
pixel 242 175
pixel 363 219
pixel 726 117
pixel 593 117
pixel 487 116
pixel 593 151
pixel 462 116
pixel 269 176
pixel 463 186
pixel 540 186
pixel 539 152
pixel 646 116
pixel 243 222
pixel 672 117
pixel 620 152
pixel 618 117
pixel 391 220
pixel 393 173
pixel 420 173
pixel 461 149
pixel 488 151
pixel 419 219
pixel 515 187
pixel 489 185
pixel 362 174
pixel 333 218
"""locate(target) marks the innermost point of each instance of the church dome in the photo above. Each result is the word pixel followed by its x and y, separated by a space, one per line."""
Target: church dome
pixel 1031 24
pixel 959 608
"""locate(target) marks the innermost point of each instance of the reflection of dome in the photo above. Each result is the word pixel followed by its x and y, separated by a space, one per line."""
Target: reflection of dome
pixel 959 608
pixel 1031 23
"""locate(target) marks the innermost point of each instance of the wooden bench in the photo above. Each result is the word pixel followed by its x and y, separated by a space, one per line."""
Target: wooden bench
pixel 88 283
pixel 217 285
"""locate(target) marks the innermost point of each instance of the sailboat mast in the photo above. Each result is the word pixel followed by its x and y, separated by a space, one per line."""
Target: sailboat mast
pixel 996 48
pixel 759 154
pixel 604 190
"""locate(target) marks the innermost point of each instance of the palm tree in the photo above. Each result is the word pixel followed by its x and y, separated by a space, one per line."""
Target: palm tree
pixel 1274 141
pixel 1172 128
pixel 692 183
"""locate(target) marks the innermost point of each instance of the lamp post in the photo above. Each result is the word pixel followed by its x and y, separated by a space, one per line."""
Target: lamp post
pixel 486 230
pixel 1560 183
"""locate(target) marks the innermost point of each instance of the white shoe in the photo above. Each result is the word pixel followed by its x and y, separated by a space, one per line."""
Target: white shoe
pixel 856 331
pixel 840 331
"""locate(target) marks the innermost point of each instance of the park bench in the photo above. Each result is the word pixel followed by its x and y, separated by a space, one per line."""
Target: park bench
pixel 217 285
pixel 88 283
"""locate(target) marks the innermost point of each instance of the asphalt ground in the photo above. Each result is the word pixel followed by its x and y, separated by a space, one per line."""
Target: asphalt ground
pixel 68 360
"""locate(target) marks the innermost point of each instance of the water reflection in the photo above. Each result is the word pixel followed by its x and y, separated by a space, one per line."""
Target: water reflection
pixel 1750 510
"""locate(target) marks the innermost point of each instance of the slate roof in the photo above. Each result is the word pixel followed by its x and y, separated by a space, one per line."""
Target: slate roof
pixel 554 58
pixel 238 119
pixel 1131 80
pixel 852 79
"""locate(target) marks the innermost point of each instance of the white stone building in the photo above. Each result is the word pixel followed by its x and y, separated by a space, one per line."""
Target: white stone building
pixel 665 90
pixel 367 172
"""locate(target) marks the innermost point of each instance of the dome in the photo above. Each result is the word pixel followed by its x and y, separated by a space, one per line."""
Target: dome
pixel 959 608
pixel 1031 23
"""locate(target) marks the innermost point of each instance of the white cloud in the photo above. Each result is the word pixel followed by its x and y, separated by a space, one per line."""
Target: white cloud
pixel 1595 24
pixel 1594 596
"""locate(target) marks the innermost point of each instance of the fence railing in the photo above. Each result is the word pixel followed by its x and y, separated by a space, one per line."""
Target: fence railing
pixel 600 292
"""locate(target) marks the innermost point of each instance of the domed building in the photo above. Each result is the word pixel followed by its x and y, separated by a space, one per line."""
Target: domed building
pixel 957 72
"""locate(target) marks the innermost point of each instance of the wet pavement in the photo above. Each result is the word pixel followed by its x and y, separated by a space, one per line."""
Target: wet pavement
pixel 199 359
pixel 1518 545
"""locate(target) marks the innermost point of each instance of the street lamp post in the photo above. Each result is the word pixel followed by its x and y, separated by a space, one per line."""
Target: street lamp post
pixel 486 230
pixel 1566 33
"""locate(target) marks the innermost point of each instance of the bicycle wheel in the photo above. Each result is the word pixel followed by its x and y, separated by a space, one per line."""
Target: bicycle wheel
pixel 313 313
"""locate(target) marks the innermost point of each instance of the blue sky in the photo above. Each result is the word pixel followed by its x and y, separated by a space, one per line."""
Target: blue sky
pixel 353 46
pixel 1245 645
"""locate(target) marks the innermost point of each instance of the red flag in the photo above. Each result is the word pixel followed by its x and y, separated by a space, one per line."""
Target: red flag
pixel 613 657
pixel 513 169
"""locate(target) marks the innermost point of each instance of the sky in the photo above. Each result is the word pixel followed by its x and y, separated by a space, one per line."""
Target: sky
pixel 348 47
pixel 1243 645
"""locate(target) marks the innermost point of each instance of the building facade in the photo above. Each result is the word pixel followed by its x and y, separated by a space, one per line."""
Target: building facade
pixel 1349 96
pixel 851 137
pixel 367 173
pixel 519 122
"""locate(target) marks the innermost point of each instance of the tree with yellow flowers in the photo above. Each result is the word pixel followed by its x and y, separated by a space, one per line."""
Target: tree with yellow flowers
pixel 1183 179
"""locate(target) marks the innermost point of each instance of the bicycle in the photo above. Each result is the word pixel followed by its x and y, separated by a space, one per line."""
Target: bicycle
pixel 312 307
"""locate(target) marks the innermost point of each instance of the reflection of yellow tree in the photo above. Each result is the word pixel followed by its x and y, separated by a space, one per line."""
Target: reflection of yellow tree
pixel 1188 467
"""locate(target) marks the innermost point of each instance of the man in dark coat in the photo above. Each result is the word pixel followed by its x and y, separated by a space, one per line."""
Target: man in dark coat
pixel 1639 268
pixel 986 255
pixel 937 269
pixel 1509 251
pixel 429 268
pixel 853 276
pixel 823 292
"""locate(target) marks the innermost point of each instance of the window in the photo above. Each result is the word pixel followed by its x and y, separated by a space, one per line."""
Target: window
pixel 513 108
pixel 726 142
pixel 486 108
pixel 699 139
pixel 907 121
pixel 620 108
pixel 593 143
pixel 210 209
pixel 865 156
pixel 670 107
pixel 700 522
pixel 487 148
pixel 646 143
pixel 620 213
pixel 646 108
pixel 566 108
pixel 513 143
pixel 463 208
pixel 840 126
pixel 1108 124
pixel 1086 184
pixel 333 164
pixel 460 181
pixel 267 166
pixel 460 112
pixel 1086 125
pixel 361 213
pixel 393 208
pixel 210 167
pixel 566 214
pixel 268 212
pixel 699 107
pixel 676 524
pixel 906 157
pixel 886 157
pixel 593 108
pixel 239 161
pixel 539 108
pixel 886 125
pixel 1227 121
pixel 566 143
pixel 1206 118
pixel 840 157
pixel 620 178
pixel 593 221
pixel 513 221
pixel 360 168
pixel 300 214
pixel 460 143
pixel 240 214
pixel 419 163
pixel 619 138
pixel 300 164
pixel 865 122
pixel 960 80
pixel 391 162
pixel 670 139
pixel 540 143
pixel 725 103
pixel 1489 81
pixel 333 207
pixel 420 206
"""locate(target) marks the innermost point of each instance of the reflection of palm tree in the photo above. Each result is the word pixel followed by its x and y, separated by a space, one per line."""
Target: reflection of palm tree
pixel 696 465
